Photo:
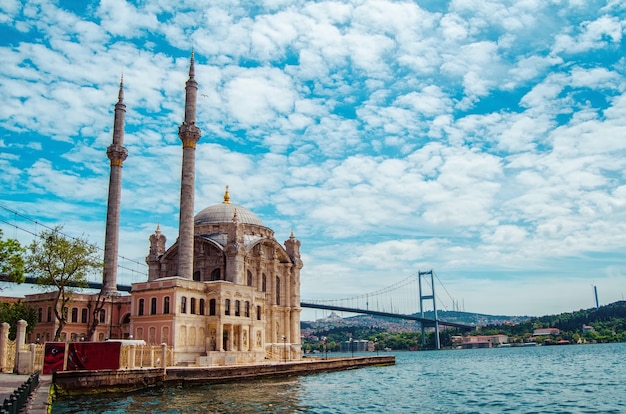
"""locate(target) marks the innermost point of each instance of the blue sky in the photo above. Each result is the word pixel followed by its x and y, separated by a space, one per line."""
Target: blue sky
pixel 483 139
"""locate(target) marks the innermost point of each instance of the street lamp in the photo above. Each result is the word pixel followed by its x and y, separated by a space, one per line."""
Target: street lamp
pixel 112 296
pixel 285 348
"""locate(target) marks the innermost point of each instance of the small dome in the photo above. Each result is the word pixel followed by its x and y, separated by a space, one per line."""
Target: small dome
pixel 223 213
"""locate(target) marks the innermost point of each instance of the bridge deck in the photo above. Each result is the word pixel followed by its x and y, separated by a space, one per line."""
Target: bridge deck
pixel 425 321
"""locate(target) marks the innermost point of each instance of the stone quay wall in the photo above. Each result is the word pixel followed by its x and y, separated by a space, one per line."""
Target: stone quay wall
pixel 91 382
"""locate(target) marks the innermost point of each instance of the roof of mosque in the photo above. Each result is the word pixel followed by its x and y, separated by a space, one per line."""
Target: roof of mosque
pixel 224 213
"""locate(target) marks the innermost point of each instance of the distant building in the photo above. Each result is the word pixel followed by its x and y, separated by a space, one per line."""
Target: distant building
pixel 481 341
pixel 587 329
pixel 546 331
pixel 360 345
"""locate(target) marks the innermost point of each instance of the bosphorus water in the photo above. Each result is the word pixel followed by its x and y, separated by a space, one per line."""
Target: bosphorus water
pixel 546 379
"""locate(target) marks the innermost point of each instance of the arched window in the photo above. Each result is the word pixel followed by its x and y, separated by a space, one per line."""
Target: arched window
pixel 49 316
pixel 192 306
pixel 141 306
pixel 258 313
pixel 215 274
pixel 264 283
pixel 277 290
pixel 74 315
pixel 84 315
pixel 153 306
pixel 183 304
pixel 212 310
pixel 103 315
pixel 201 310
pixel 249 280
pixel 227 307
pixel 40 315
pixel 139 333
pixel 166 305
pixel 237 310
pixel 246 309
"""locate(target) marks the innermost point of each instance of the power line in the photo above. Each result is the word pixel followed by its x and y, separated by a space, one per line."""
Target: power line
pixel 36 222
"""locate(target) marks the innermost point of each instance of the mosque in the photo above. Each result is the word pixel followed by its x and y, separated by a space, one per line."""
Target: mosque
pixel 225 292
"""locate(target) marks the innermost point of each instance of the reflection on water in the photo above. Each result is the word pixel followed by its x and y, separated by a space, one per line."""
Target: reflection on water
pixel 261 396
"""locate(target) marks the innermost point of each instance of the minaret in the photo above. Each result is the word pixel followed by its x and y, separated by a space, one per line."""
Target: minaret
pixel 189 134
pixel 117 154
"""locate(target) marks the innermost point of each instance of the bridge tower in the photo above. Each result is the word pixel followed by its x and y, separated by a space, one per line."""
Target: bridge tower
pixel 424 297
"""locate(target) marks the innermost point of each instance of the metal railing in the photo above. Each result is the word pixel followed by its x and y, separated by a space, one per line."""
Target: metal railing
pixel 19 397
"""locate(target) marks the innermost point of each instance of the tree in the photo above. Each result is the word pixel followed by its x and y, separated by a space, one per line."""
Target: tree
pixel 64 263
pixel 11 260
pixel 13 312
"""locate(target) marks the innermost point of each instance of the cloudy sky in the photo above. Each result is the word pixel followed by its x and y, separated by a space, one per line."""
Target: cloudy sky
pixel 483 139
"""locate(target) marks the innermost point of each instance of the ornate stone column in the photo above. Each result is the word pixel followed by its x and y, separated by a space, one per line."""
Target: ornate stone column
pixel 189 134
pixel 117 154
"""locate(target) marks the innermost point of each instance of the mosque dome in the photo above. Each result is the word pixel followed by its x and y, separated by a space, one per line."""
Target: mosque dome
pixel 224 212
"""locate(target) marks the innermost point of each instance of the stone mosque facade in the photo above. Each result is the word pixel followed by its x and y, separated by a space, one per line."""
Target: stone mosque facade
pixel 241 304
pixel 225 292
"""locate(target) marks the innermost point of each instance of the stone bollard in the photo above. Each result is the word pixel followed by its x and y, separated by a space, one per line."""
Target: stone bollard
pixel 20 339
pixel 4 346
pixel 33 356
pixel 131 356
pixel 163 355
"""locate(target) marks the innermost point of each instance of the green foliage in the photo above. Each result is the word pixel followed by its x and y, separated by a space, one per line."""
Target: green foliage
pixel 62 262
pixel 11 259
pixel 13 312
pixel 609 323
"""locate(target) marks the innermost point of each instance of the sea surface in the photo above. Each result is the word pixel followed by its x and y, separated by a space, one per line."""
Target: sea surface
pixel 543 379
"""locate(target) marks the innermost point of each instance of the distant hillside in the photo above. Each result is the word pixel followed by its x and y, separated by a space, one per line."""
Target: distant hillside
pixel 477 319
pixel 393 324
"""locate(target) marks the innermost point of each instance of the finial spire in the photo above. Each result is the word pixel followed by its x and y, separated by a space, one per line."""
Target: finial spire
pixel 120 95
pixel 226 197
pixel 192 70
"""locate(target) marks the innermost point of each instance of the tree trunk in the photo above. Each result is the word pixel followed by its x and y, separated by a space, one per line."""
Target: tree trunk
pixel 95 316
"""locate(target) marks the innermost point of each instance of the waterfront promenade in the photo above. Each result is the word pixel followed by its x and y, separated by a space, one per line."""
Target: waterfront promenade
pixel 39 398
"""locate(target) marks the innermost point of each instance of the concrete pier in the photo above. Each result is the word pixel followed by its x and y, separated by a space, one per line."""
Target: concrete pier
pixel 69 383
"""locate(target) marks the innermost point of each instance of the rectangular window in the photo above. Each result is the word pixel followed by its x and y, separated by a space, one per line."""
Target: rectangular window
pixel 84 315
pixel 227 307
pixel 183 304
pixel 258 313
pixel 237 308
pixel 103 315
pixel 166 305
pixel 49 316
pixel 141 306
pixel 192 306
pixel 153 306
pixel 246 309
pixel 74 315
pixel 212 306
pixel 201 310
